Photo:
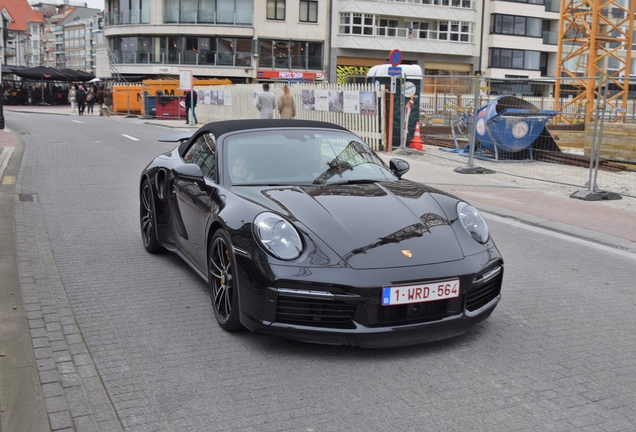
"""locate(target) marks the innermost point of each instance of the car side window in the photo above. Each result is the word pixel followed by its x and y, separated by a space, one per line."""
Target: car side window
pixel 203 153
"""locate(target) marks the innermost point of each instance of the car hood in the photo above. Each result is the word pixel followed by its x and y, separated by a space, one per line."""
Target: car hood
pixel 375 225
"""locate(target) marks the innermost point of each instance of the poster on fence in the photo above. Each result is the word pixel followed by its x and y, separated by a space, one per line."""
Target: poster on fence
pixel 351 102
pixel 368 103
pixel 322 100
pixel 336 100
pixel 309 100
pixel 364 102
pixel 227 98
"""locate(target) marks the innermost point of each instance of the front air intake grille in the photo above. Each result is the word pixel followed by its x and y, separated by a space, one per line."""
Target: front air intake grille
pixel 480 296
pixel 410 313
pixel 313 312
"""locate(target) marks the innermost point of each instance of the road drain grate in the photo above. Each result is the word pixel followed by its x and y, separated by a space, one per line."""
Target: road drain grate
pixel 26 197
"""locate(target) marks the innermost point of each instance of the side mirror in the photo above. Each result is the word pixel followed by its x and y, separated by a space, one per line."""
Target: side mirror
pixel 191 172
pixel 399 167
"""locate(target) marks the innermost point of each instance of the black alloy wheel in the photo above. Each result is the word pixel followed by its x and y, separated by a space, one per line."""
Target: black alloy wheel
pixel 223 279
pixel 147 218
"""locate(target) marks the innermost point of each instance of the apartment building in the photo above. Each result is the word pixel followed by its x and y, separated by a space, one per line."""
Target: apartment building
pixel 24 30
pixel 247 40
pixel 520 41
pixel 243 40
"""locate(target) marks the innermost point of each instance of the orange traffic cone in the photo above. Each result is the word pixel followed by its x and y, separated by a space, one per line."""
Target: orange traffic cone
pixel 416 143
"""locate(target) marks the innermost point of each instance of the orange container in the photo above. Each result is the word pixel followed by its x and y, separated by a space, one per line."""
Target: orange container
pixel 127 99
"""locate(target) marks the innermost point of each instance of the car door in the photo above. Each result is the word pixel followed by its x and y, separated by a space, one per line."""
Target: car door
pixel 196 205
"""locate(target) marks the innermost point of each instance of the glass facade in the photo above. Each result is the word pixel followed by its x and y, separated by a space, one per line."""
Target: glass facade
pixel 287 54
pixel 516 25
pixel 193 50
pixel 505 58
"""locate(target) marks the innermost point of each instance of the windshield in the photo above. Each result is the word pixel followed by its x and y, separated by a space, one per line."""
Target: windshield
pixel 301 157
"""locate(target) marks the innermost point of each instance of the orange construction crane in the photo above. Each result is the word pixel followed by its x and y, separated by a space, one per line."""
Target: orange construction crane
pixel 593 33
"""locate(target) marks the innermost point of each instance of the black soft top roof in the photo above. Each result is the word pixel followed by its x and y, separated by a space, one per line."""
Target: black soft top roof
pixel 222 127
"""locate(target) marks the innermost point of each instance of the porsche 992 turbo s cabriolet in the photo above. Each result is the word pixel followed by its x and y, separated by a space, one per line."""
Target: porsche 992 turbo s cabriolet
pixel 302 231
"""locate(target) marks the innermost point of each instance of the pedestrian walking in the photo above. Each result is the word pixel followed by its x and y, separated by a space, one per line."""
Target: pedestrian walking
pixel 108 101
pixel 90 100
pixel 286 104
pixel 191 102
pixel 71 98
pixel 266 103
pixel 80 97
pixel 99 100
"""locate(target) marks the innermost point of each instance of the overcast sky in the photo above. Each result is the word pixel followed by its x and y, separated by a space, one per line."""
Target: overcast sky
pixel 96 4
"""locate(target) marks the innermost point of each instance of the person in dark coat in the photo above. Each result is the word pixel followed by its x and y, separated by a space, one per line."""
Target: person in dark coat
pixel 80 97
pixel 190 103
pixel 108 100
pixel 99 100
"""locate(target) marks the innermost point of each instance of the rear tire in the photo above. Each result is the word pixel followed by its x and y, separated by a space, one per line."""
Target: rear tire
pixel 223 281
pixel 147 218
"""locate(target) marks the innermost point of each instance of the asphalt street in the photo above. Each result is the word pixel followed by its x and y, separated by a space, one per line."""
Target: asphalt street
pixel 98 335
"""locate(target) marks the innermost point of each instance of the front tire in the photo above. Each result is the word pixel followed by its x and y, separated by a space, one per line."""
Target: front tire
pixel 223 281
pixel 147 218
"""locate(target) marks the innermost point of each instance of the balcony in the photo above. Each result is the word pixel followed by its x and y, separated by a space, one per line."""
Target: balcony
pixel 127 17
pixel 182 16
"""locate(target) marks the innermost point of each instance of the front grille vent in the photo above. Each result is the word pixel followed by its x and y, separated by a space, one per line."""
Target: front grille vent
pixel 411 313
pixel 314 312
pixel 480 296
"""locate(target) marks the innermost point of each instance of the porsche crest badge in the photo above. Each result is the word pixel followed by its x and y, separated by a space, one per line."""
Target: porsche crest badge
pixel 407 253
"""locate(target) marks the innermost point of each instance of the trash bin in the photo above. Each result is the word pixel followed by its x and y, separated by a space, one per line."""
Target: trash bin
pixel 150 108
pixel 167 108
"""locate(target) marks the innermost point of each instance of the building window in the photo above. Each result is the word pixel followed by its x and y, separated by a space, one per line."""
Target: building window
pixel 308 11
pixel 516 25
pixel 514 59
pixel 276 10
pixel 285 54
pixel 219 51
pixel 356 23
pixel 454 31
pixel 231 12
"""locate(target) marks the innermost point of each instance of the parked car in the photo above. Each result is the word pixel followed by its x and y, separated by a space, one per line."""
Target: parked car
pixel 302 231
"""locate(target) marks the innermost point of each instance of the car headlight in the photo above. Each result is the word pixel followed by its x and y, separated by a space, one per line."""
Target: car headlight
pixel 278 236
pixel 473 222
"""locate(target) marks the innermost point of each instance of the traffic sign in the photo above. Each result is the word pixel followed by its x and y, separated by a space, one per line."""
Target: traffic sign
pixel 395 71
pixel 395 57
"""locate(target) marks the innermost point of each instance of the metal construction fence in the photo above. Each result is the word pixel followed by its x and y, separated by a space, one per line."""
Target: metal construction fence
pixel 585 137
pixel 518 127
pixel 354 106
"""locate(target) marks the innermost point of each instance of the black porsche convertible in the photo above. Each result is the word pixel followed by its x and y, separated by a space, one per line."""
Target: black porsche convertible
pixel 302 231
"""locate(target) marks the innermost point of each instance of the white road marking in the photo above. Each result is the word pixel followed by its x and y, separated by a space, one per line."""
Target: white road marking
pixel 77 121
pixel 129 137
pixel 5 155
pixel 562 236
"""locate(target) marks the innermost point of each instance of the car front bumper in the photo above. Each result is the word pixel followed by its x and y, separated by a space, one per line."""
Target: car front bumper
pixel 382 337
pixel 343 306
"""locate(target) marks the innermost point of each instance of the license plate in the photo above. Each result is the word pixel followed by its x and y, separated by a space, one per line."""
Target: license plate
pixel 420 293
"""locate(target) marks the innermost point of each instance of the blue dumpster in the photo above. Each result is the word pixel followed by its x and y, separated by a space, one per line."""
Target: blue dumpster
pixel 509 125
pixel 150 109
